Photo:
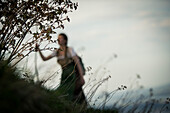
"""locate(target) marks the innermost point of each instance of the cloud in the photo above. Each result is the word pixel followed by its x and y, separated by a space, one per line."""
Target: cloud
pixel 165 23
pixel 144 13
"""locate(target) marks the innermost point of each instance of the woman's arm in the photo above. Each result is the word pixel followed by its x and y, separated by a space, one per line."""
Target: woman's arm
pixel 76 60
pixel 42 56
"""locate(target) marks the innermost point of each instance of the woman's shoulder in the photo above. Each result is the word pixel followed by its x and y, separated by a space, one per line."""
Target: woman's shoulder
pixel 70 47
pixel 71 51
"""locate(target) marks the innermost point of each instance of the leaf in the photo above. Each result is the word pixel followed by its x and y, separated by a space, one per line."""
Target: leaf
pixel 62 26
pixel 30 32
pixel 53 27
pixel 53 32
pixel 75 7
pixel 41 39
pixel 49 37
pixel 68 19
pixel 49 30
pixel 20 55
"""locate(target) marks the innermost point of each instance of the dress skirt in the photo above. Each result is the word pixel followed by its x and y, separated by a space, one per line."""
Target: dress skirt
pixel 68 87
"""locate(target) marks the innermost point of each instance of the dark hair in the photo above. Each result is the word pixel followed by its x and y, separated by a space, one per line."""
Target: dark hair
pixel 64 36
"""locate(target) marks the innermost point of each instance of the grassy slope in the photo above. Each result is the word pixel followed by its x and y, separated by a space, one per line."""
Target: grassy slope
pixel 19 96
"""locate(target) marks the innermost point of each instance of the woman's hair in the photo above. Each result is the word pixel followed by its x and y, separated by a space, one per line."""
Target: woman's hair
pixel 64 36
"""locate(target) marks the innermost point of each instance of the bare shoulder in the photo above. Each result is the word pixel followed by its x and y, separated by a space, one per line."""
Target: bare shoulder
pixel 71 51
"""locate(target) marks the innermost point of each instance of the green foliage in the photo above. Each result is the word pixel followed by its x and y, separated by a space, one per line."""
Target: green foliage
pixel 20 18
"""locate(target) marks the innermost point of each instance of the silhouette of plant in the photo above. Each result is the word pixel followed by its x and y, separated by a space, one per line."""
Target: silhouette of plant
pixel 26 22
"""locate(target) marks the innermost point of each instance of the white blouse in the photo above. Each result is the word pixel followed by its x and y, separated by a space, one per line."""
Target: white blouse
pixel 70 53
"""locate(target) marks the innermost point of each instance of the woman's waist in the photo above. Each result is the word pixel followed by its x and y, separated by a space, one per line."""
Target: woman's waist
pixel 68 65
pixel 64 62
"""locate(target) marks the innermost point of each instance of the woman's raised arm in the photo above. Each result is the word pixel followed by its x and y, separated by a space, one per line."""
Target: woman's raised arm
pixel 42 56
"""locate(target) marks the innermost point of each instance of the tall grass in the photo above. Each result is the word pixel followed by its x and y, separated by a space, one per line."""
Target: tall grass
pixel 21 94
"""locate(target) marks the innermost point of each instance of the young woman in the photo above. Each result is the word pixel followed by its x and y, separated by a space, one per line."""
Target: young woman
pixel 72 73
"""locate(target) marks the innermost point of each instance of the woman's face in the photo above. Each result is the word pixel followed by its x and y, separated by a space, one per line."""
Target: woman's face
pixel 61 40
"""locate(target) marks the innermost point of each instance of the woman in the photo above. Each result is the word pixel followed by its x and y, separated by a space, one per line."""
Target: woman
pixel 72 74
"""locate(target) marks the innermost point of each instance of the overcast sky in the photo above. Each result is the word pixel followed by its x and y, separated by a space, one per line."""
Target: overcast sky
pixel 136 31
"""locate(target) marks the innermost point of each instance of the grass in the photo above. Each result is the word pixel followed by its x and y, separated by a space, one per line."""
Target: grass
pixel 19 95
